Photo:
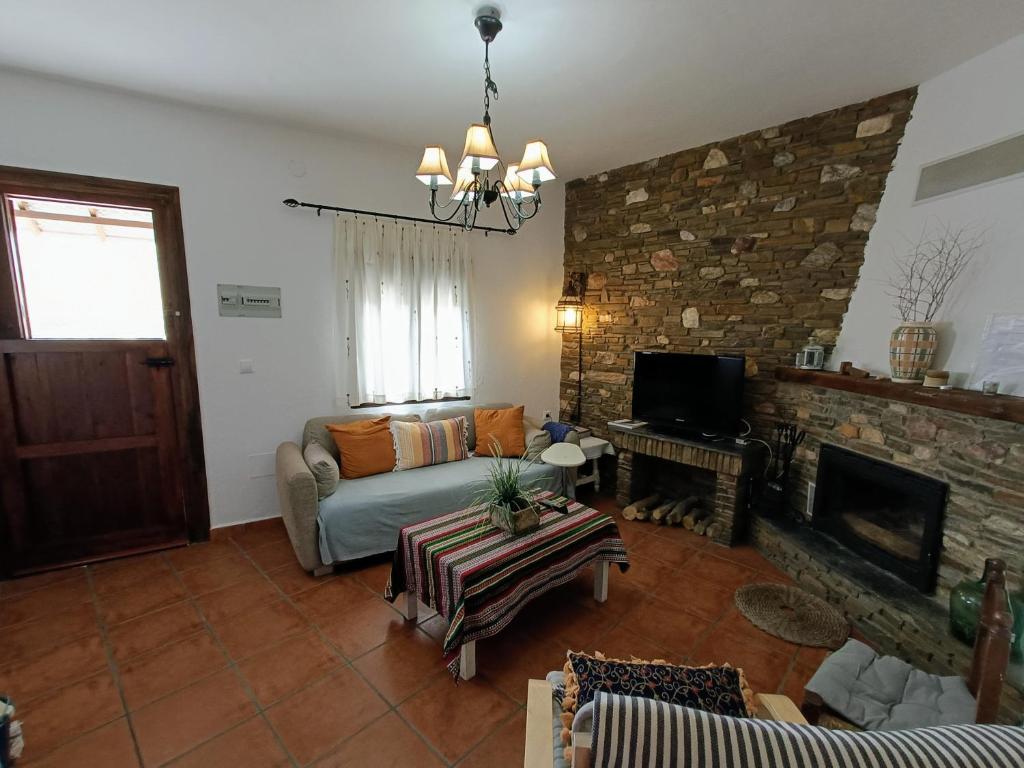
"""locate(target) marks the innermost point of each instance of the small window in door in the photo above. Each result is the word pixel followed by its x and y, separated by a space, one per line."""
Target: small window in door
pixel 86 271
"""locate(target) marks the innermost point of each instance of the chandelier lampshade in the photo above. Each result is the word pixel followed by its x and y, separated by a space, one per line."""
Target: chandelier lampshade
pixel 482 180
pixel 463 181
pixel 515 187
pixel 433 168
pixel 535 167
pixel 480 154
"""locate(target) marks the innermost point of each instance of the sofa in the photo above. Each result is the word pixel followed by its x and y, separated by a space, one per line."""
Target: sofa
pixel 362 517
pixel 639 731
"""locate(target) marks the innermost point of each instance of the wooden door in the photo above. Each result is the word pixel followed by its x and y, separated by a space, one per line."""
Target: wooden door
pixel 100 445
pixel 89 450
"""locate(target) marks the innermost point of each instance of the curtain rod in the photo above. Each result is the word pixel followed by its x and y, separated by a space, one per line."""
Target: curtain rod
pixel 291 202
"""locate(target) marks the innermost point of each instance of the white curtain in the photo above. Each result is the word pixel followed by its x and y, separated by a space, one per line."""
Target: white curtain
pixel 403 311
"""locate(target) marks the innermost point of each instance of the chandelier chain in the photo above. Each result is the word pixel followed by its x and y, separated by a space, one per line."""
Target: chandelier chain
pixel 490 87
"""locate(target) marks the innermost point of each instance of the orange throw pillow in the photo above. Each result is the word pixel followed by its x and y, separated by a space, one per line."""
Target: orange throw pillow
pixel 366 447
pixel 503 424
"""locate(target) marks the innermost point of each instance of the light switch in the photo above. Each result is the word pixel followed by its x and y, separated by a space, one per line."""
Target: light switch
pixel 245 366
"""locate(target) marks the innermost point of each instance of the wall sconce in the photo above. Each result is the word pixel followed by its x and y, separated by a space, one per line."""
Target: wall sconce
pixel 569 319
pixel 569 315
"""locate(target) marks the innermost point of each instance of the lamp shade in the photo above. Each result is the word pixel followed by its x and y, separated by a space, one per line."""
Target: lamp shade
pixel 463 181
pixel 433 168
pixel 535 167
pixel 480 153
pixel 515 187
pixel 569 314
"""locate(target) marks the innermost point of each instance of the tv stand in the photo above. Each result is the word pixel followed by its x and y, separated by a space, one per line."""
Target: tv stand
pixel 731 464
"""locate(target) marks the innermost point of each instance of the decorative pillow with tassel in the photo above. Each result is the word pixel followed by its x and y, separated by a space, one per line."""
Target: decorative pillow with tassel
pixel 718 689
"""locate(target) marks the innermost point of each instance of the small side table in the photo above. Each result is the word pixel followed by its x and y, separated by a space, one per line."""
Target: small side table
pixel 566 456
pixel 594 448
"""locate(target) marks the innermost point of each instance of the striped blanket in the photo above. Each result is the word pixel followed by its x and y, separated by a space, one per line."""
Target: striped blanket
pixel 479 577
pixel 630 731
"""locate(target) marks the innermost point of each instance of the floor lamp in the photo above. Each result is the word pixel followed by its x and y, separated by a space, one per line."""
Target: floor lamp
pixel 569 319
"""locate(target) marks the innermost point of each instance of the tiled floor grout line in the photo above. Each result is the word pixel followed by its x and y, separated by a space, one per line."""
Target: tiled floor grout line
pixel 344 661
pixel 350 663
pixel 115 669
pixel 233 666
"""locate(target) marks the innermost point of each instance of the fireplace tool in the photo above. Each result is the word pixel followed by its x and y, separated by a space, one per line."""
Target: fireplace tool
pixel 787 438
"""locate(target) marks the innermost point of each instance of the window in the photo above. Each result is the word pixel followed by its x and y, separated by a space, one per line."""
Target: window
pixel 86 271
pixel 403 312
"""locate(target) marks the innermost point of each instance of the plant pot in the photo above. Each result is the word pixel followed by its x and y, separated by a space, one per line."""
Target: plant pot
pixel 514 520
pixel 911 351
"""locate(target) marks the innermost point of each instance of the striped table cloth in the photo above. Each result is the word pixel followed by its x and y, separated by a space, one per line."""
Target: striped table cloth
pixel 479 577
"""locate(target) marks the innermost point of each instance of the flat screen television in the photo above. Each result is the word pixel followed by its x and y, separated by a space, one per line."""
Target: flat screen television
pixel 687 394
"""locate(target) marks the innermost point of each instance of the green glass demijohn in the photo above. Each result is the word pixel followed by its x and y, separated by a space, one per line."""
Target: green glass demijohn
pixel 965 611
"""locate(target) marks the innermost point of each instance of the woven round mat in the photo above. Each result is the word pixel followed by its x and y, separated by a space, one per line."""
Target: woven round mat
pixel 792 614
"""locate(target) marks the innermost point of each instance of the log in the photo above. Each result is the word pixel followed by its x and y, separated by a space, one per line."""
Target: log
pixel 700 526
pixel 675 515
pixel 713 530
pixel 630 512
pixel 694 516
pixel 658 514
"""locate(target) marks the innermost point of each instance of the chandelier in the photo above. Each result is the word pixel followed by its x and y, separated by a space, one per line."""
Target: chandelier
pixel 516 187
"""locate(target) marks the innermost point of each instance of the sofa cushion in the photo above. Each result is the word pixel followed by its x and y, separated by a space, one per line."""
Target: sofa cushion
pixel 324 468
pixel 316 428
pixel 452 411
pixel 883 693
pixel 366 447
pixel 501 430
pixel 363 516
pixel 426 443
pixel 721 689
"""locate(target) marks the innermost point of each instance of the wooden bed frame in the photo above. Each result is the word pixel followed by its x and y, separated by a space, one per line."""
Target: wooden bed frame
pixel 540 746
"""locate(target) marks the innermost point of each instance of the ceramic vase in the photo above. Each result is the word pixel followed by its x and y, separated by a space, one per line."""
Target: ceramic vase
pixel 911 351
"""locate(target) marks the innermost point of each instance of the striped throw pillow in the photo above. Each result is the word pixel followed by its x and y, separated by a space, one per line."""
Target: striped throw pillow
pixel 420 444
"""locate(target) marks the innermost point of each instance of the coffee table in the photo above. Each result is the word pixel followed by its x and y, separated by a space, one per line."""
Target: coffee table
pixel 478 577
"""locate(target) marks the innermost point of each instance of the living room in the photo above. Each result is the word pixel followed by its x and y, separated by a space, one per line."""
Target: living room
pixel 760 348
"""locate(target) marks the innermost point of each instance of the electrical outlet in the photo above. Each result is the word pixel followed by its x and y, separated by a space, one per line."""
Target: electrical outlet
pixel 547 415
pixel 811 487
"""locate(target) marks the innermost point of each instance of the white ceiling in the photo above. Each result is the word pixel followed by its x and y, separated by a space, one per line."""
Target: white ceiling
pixel 604 82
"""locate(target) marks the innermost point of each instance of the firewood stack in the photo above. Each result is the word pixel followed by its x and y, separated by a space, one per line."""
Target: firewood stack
pixel 689 513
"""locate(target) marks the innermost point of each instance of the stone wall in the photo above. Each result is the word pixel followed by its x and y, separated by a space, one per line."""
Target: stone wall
pixel 981 459
pixel 748 245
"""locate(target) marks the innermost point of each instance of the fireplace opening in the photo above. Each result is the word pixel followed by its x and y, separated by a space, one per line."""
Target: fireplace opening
pixel 886 514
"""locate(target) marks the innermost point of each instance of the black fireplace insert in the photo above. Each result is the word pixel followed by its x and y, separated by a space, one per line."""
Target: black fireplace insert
pixel 887 514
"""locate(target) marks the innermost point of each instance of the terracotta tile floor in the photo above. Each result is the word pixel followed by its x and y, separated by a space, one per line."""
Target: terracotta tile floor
pixel 228 654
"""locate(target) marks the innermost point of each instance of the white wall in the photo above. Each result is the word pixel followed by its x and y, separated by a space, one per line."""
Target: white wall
pixel 233 173
pixel 974 104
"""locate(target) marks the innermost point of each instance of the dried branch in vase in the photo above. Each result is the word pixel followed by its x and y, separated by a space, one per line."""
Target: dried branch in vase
pixel 924 275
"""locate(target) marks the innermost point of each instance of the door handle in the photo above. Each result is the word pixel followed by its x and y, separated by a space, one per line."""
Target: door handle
pixel 158 362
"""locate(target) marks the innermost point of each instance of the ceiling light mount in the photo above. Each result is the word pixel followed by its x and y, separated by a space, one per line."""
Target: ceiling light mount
pixel 488 23
pixel 516 187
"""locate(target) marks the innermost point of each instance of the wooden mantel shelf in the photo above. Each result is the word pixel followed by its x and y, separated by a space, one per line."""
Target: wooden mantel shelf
pixel 1001 407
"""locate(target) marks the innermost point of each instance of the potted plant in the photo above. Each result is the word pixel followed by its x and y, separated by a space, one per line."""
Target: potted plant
pixel 919 288
pixel 509 504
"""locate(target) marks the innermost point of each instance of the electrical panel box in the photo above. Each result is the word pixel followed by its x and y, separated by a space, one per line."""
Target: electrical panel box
pixel 248 301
